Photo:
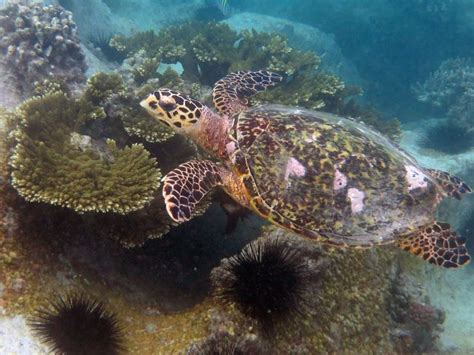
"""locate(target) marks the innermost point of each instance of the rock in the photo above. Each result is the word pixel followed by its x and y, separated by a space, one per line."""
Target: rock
pixel 94 64
pixel 303 37
pixel 10 96
pixel 15 337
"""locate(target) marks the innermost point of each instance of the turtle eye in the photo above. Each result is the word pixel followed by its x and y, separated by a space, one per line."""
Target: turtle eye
pixel 167 103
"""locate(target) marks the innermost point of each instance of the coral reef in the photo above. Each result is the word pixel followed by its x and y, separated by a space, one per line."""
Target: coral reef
pixel 100 42
pixel 204 50
pixel 348 310
pixel 450 90
pixel 76 324
pixel 74 152
pixel 37 42
pixel 301 37
pixel 444 86
pixel 123 106
pixel 207 52
pixel 53 163
pixel 416 323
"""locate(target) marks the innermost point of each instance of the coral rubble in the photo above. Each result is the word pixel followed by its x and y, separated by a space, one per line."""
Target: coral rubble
pixel 37 42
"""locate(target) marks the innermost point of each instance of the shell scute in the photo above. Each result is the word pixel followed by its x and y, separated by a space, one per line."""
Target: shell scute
pixel 294 160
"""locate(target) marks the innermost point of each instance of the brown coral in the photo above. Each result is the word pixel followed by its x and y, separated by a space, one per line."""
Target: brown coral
pixel 37 42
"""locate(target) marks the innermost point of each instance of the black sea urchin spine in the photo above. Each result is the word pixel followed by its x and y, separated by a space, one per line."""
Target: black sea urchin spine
pixel 268 281
pixel 76 324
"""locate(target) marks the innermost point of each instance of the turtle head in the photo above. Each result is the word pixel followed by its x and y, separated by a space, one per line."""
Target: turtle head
pixel 173 109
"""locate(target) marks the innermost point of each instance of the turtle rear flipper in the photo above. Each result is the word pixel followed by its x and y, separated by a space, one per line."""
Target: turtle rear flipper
pixel 437 244
pixel 185 186
pixel 452 185
pixel 231 92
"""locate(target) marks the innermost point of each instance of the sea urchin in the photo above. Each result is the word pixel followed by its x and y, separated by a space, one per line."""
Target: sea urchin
pixel 76 324
pixel 223 343
pixel 267 281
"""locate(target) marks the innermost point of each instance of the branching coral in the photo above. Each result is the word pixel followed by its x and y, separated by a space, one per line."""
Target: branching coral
pixel 52 163
pixel 444 86
pixel 196 45
pixel 100 87
pixel 123 106
pixel 271 51
pixel 37 42
pixel 74 152
pixel 209 51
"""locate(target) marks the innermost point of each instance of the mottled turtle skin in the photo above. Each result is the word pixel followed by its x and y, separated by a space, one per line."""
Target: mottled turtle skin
pixel 344 162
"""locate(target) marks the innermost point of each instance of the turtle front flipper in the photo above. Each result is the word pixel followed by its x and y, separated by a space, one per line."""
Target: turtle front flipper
pixel 437 244
pixel 452 185
pixel 230 94
pixel 185 186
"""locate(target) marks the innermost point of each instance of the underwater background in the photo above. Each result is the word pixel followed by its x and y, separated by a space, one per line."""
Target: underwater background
pixel 83 220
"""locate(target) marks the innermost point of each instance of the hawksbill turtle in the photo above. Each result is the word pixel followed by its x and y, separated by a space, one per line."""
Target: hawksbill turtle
pixel 325 177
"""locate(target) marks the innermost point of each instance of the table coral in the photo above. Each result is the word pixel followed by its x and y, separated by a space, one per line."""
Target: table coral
pixel 53 163
pixel 37 42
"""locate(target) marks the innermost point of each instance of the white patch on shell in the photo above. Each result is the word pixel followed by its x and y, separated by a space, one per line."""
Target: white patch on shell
pixel 340 180
pixel 415 177
pixel 230 148
pixel 294 168
pixel 357 199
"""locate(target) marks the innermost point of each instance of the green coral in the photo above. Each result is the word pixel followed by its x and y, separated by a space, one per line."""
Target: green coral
pixel 205 50
pixel 209 51
pixel 162 45
pixel 49 86
pixel 136 122
pixel 310 90
pixel 53 163
pixel 261 50
pixel 100 87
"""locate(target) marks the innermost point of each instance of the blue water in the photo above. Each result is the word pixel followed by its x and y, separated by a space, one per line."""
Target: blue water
pixel 404 67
